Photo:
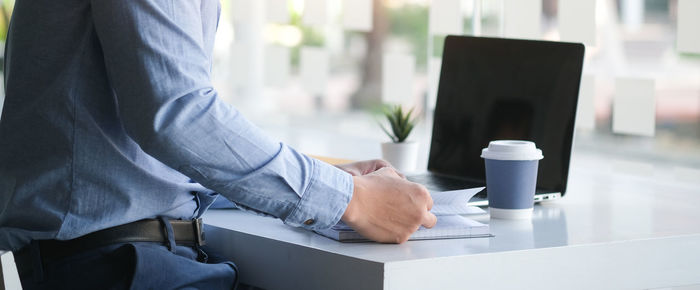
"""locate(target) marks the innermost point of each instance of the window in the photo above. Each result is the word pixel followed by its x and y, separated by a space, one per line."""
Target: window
pixel 627 40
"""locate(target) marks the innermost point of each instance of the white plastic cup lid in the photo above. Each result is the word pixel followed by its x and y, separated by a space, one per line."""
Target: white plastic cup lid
pixel 512 150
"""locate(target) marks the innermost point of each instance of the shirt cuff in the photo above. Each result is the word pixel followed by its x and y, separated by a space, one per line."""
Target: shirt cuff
pixel 325 200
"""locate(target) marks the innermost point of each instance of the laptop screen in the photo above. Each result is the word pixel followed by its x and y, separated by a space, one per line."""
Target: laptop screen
pixel 495 89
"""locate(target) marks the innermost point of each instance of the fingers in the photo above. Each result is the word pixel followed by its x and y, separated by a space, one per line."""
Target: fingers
pixel 381 163
pixel 429 220
pixel 426 194
pixel 393 208
pixel 368 167
pixel 378 164
pixel 364 167
pixel 387 171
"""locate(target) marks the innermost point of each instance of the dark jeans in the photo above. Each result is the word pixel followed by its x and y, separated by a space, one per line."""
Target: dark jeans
pixel 128 266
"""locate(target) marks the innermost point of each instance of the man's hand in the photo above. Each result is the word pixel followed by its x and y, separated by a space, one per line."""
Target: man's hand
pixel 365 167
pixel 387 208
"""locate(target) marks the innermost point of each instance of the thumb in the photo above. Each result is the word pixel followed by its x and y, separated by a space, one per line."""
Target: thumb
pixel 429 220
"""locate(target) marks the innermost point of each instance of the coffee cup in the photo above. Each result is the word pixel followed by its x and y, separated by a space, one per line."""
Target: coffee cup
pixel 511 177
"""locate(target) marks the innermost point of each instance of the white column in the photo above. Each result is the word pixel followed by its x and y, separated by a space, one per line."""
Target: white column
pixel 632 13
pixel 249 59
pixel 476 18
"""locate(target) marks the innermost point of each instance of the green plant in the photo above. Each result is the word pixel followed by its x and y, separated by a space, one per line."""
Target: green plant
pixel 401 123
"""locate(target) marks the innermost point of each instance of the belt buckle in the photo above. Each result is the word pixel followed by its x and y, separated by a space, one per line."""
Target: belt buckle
pixel 199 232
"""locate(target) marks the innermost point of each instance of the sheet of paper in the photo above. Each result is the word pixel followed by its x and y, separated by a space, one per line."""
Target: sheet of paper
pixel 634 107
pixel 397 78
pixel 687 34
pixel 455 202
pixel 357 15
pixel 443 222
pixel 585 117
pixel 463 208
pixel 446 17
pixel 277 11
pixel 454 222
pixel 277 65
pixel 314 13
pixel 577 22
pixel 521 18
pixel 314 69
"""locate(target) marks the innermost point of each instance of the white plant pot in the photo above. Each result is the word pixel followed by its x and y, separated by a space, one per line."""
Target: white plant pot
pixel 403 156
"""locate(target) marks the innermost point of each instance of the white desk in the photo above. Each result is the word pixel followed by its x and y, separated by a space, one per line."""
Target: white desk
pixel 619 227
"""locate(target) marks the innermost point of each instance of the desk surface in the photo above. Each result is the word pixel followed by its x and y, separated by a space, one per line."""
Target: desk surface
pixel 619 226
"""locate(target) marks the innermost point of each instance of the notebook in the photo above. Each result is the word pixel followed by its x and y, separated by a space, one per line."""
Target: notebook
pixel 448 206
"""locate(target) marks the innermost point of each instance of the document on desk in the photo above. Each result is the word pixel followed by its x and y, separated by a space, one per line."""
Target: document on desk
pixel 448 206
pixel 455 202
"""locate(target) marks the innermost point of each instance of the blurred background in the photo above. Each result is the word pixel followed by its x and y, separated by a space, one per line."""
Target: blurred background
pixel 305 70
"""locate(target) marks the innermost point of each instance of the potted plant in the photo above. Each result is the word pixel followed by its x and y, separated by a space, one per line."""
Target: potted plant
pixel 400 153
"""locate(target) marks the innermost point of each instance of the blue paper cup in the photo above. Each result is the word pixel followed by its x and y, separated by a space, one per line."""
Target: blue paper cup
pixel 511 177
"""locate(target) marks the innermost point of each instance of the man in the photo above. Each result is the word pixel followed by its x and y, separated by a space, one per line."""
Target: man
pixel 113 140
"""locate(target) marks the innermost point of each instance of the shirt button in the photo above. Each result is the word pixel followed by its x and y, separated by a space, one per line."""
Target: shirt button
pixel 309 222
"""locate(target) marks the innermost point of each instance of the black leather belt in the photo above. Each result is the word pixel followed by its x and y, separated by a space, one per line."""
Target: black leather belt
pixel 186 233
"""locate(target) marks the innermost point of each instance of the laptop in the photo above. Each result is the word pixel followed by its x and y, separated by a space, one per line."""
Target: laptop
pixel 503 89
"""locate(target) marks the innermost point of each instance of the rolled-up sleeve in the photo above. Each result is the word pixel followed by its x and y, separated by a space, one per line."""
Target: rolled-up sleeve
pixel 158 67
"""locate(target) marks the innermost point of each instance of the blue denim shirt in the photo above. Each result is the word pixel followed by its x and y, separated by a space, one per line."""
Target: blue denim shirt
pixel 110 117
